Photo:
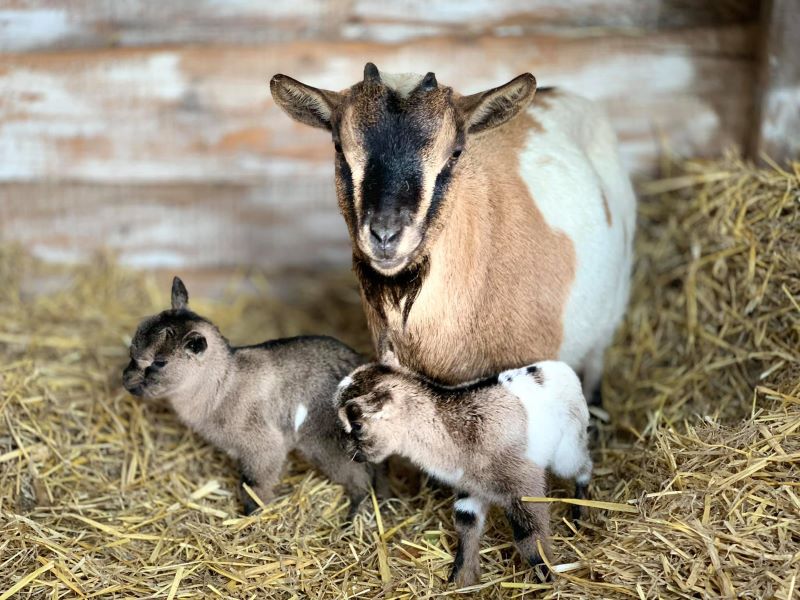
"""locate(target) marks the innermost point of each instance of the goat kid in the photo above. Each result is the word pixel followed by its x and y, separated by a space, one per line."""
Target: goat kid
pixel 257 403
pixel 473 438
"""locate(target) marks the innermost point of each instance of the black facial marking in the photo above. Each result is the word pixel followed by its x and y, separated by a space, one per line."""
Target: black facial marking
pixel 380 289
pixel 466 519
pixel 393 174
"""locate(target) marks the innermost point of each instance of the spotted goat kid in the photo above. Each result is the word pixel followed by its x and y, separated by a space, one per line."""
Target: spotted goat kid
pixel 490 439
pixel 257 403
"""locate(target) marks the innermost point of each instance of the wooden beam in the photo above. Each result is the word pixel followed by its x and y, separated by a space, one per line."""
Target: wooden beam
pixel 200 114
pixel 281 225
pixel 777 131
pixel 48 25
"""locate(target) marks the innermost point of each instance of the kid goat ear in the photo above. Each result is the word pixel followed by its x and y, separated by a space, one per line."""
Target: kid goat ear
pixel 180 297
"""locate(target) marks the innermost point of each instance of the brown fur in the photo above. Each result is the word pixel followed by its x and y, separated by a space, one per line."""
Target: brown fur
pixel 461 326
pixel 245 400
pixel 494 294
pixel 470 436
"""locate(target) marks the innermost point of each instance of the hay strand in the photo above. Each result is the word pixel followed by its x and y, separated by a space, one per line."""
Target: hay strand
pixel 104 495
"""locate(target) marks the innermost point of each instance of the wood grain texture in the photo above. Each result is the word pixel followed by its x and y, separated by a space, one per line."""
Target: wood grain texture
pixel 147 127
pixel 281 225
pixel 777 132
pixel 194 114
pixel 47 24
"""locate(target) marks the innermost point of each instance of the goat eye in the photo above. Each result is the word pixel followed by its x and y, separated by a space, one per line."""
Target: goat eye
pixel 196 345
pixel 353 413
pixel 159 363
pixel 456 153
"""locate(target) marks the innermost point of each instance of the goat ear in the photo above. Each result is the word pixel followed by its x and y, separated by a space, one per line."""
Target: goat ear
pixel 486 110
pixel 180 297
pixel 304 103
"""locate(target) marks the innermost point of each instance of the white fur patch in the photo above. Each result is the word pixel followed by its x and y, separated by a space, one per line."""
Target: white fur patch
pixel 449 477
pixel 345 382
pixel 300 416
pixel 569 168
pixel 402 83
pixel 557 416
pixel 470 505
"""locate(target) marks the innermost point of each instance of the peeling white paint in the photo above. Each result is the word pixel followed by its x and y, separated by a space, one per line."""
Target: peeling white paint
pixel 28 29
pixel 782 110
pixel 620 76
pixel 157 76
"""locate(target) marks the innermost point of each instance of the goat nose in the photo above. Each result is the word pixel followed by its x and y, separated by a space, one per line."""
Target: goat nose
pixel 385 236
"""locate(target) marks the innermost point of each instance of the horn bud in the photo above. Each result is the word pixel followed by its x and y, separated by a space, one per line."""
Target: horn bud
pixel 428 82
pixel 371 73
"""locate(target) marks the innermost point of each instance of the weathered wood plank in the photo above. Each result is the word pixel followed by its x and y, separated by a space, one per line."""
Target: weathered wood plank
pixel 285 224
pixel 204 114
pixel 777 133
pixel 48 24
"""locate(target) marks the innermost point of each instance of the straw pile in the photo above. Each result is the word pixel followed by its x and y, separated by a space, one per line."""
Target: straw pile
pixel 104 495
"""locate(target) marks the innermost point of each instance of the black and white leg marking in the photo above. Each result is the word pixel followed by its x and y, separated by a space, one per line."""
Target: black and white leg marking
pixel 529 523
pixel 470 517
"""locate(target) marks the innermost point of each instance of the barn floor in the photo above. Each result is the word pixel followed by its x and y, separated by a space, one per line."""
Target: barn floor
pixel 104 495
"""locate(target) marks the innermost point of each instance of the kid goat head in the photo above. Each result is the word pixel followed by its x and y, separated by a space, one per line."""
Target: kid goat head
pixel 399 140
pixel 169 347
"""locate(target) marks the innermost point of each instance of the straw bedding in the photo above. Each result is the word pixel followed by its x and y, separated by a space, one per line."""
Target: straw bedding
pixel 104 495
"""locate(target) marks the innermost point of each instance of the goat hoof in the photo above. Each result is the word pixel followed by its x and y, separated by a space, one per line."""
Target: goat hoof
pixel 249 506
pixel 539 567
pixel 464 577
pixel 576 516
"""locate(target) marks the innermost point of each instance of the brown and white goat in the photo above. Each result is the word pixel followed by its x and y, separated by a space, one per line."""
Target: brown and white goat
pixel 257 403
pixel 485 234
pixel 490 439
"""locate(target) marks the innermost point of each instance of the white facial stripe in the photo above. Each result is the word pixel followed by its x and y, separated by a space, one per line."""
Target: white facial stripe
pixel 300 416
pixel 432 165
pixel 345 382
pixel 354 154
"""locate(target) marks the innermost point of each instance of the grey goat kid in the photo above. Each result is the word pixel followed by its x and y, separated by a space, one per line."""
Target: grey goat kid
pixel 257 403
pixel 490 439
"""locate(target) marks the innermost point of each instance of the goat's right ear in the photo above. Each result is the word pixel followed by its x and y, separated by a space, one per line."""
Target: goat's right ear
pixel 304 103
pixel 180 297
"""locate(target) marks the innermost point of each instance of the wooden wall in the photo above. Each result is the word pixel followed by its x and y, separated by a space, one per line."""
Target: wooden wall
pixel 148 127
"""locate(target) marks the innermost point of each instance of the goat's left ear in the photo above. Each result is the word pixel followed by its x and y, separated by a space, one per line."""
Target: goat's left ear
pixel 486 110
pixel 303 103
pixel 180 297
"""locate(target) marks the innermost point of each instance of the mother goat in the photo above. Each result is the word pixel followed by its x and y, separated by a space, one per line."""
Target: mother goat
pixel 486 234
